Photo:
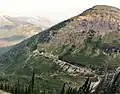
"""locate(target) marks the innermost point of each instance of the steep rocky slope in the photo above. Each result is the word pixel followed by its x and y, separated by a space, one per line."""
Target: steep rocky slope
pixel 83 45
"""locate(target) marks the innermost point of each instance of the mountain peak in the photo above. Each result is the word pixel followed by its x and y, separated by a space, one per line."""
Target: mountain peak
pixel 100 9
pixel 100 12
pixel 105 7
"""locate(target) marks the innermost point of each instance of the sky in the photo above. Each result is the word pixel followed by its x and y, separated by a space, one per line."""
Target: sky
pixel 56 10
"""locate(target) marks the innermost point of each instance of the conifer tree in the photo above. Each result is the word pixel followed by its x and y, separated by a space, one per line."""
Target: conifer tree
pixel 63 89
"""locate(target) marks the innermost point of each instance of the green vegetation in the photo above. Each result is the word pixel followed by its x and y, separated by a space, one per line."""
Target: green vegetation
pixel 103 87
pixel 66 53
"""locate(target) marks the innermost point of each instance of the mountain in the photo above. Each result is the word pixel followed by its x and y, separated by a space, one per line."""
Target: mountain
pixel 84 45
pixel 15 29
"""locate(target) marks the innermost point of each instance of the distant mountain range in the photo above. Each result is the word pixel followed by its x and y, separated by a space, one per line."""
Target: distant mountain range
pixel 15 29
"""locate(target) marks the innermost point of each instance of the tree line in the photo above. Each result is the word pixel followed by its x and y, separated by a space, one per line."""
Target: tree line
pixel 104 87
pixel 18 89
